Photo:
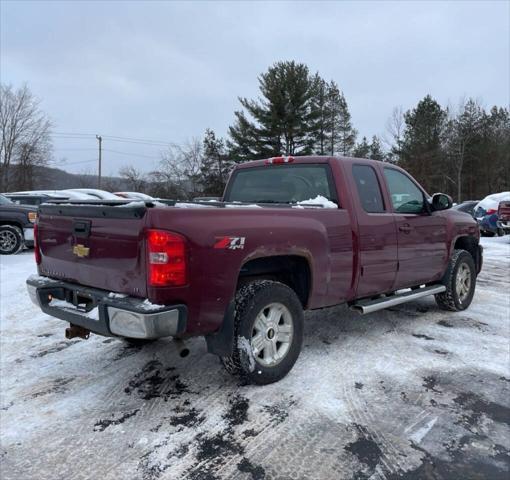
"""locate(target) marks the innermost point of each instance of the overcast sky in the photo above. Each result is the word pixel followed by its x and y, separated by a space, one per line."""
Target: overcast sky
pixel 168 71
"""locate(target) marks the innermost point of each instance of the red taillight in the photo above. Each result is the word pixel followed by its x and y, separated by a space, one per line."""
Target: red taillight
pixel 491 211
pixel 37 251
pixel 166 258
pixel 279 160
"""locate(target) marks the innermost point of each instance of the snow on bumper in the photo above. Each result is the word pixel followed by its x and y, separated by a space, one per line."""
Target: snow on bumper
pixel 103 313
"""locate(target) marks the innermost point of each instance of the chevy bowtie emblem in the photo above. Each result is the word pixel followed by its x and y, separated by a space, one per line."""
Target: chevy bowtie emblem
pixel 81 251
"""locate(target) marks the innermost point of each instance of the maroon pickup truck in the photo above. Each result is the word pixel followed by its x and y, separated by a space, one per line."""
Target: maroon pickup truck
pixel 290 234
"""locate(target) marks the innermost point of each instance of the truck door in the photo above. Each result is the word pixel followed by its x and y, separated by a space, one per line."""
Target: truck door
pixel 422 246
pixel 377 236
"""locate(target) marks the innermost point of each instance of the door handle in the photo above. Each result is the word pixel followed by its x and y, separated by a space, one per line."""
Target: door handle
pixel 406 228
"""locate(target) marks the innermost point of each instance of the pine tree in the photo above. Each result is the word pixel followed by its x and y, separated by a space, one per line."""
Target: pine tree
pixel 362 150
pixel 422 152
pixel 320 105
pixel 283 121
pixel 342 135
pixel 376 151
pixel 215 166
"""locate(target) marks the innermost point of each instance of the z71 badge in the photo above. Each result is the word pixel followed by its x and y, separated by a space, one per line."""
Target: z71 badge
pixel 231 243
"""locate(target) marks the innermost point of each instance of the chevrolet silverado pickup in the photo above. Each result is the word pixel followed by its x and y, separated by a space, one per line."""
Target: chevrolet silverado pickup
pixel 290 234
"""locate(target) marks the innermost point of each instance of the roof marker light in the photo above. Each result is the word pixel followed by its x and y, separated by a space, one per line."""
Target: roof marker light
pixel 279 160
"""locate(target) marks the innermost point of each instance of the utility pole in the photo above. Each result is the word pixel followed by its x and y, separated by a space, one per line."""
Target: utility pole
pixel 100 140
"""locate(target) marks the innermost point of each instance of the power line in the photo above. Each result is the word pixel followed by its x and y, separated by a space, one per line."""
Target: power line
pixel 141 140
pixel 115 138
pixel 74 149
pixel 131 154
pixel 74 134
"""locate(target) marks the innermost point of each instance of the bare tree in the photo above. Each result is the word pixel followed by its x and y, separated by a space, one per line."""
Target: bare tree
pixel 179 168
pixel 395 126
pixel 87 178
pixel 25 135
pixel 134 178
pixel 463 127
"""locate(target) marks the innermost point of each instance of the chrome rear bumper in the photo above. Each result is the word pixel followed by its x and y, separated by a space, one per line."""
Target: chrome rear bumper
pixel 104 313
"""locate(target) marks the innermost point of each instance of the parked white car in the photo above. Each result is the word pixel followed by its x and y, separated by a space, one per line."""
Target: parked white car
pixel 135 196
pixel 95 193
pixel 69 194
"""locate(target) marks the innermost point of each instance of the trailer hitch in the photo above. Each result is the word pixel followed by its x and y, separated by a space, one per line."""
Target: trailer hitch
pixel 77 331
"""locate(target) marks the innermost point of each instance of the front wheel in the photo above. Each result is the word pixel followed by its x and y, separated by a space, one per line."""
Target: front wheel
pixel 460 282
pixel 11 239
pixel 268 332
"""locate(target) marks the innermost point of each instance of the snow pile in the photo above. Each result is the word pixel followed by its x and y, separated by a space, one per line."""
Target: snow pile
pixel 319 200
pixel 246 352
pixel 41 281
pixel 137 203
pixel 192 205
pixel 62 304
pixel 242 205
pixel 148 306
pixel 116 295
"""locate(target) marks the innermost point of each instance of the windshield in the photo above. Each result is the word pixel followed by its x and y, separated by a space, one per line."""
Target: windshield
pixel 4 200
pixel 280 184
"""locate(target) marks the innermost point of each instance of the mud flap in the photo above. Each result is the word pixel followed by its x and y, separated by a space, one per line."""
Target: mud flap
pixel 222 342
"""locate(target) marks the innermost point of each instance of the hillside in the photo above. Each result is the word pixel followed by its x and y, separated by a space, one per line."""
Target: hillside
pixel 48 178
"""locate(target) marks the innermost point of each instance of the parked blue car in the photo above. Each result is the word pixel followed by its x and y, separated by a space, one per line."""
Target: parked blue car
pixel 486 214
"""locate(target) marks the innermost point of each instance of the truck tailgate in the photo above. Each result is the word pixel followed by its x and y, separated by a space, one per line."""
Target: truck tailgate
pixel 94 245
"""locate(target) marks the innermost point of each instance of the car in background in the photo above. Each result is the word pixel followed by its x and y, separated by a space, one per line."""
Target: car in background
pixel 16 226
pixel 486 214
pixel 135 196
pixel 468 206
pixel 34 199
pixel 504 216
pixel 68 194
pixel 95 193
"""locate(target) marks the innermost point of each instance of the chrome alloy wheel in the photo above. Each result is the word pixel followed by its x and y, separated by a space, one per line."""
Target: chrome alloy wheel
pixel 8 240
pixel 463 282
pixel 272 334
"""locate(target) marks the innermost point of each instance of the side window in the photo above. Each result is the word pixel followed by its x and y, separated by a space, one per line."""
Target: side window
pixel 406 197
pixel 369 190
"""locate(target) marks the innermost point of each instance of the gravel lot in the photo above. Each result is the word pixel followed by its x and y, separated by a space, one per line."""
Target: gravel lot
pixel 412 392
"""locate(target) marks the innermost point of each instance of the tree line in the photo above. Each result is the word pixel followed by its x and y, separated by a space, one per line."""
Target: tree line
pixel 463 151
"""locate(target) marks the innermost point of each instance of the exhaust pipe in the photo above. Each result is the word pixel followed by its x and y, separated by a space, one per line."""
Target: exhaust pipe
pixel 77 331
pixel 181 347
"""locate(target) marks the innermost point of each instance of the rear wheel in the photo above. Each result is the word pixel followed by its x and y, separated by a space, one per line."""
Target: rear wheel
pixel 11 239
pixel 460 282
pixel 268 332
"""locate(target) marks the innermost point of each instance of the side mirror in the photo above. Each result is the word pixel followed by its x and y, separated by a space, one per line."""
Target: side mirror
pixel 441 201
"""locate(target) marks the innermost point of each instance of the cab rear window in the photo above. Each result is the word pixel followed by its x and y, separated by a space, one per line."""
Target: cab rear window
pixel 281 184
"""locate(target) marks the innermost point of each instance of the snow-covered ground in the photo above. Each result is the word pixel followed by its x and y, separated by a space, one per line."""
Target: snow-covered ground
pixel 412 392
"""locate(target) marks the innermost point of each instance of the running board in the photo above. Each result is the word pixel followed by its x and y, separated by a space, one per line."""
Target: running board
pixel 368 306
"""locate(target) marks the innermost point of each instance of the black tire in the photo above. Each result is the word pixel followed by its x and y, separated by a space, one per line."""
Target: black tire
pixel 11 239
pixel 451 299
pixel 257 298
pixel 501 232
